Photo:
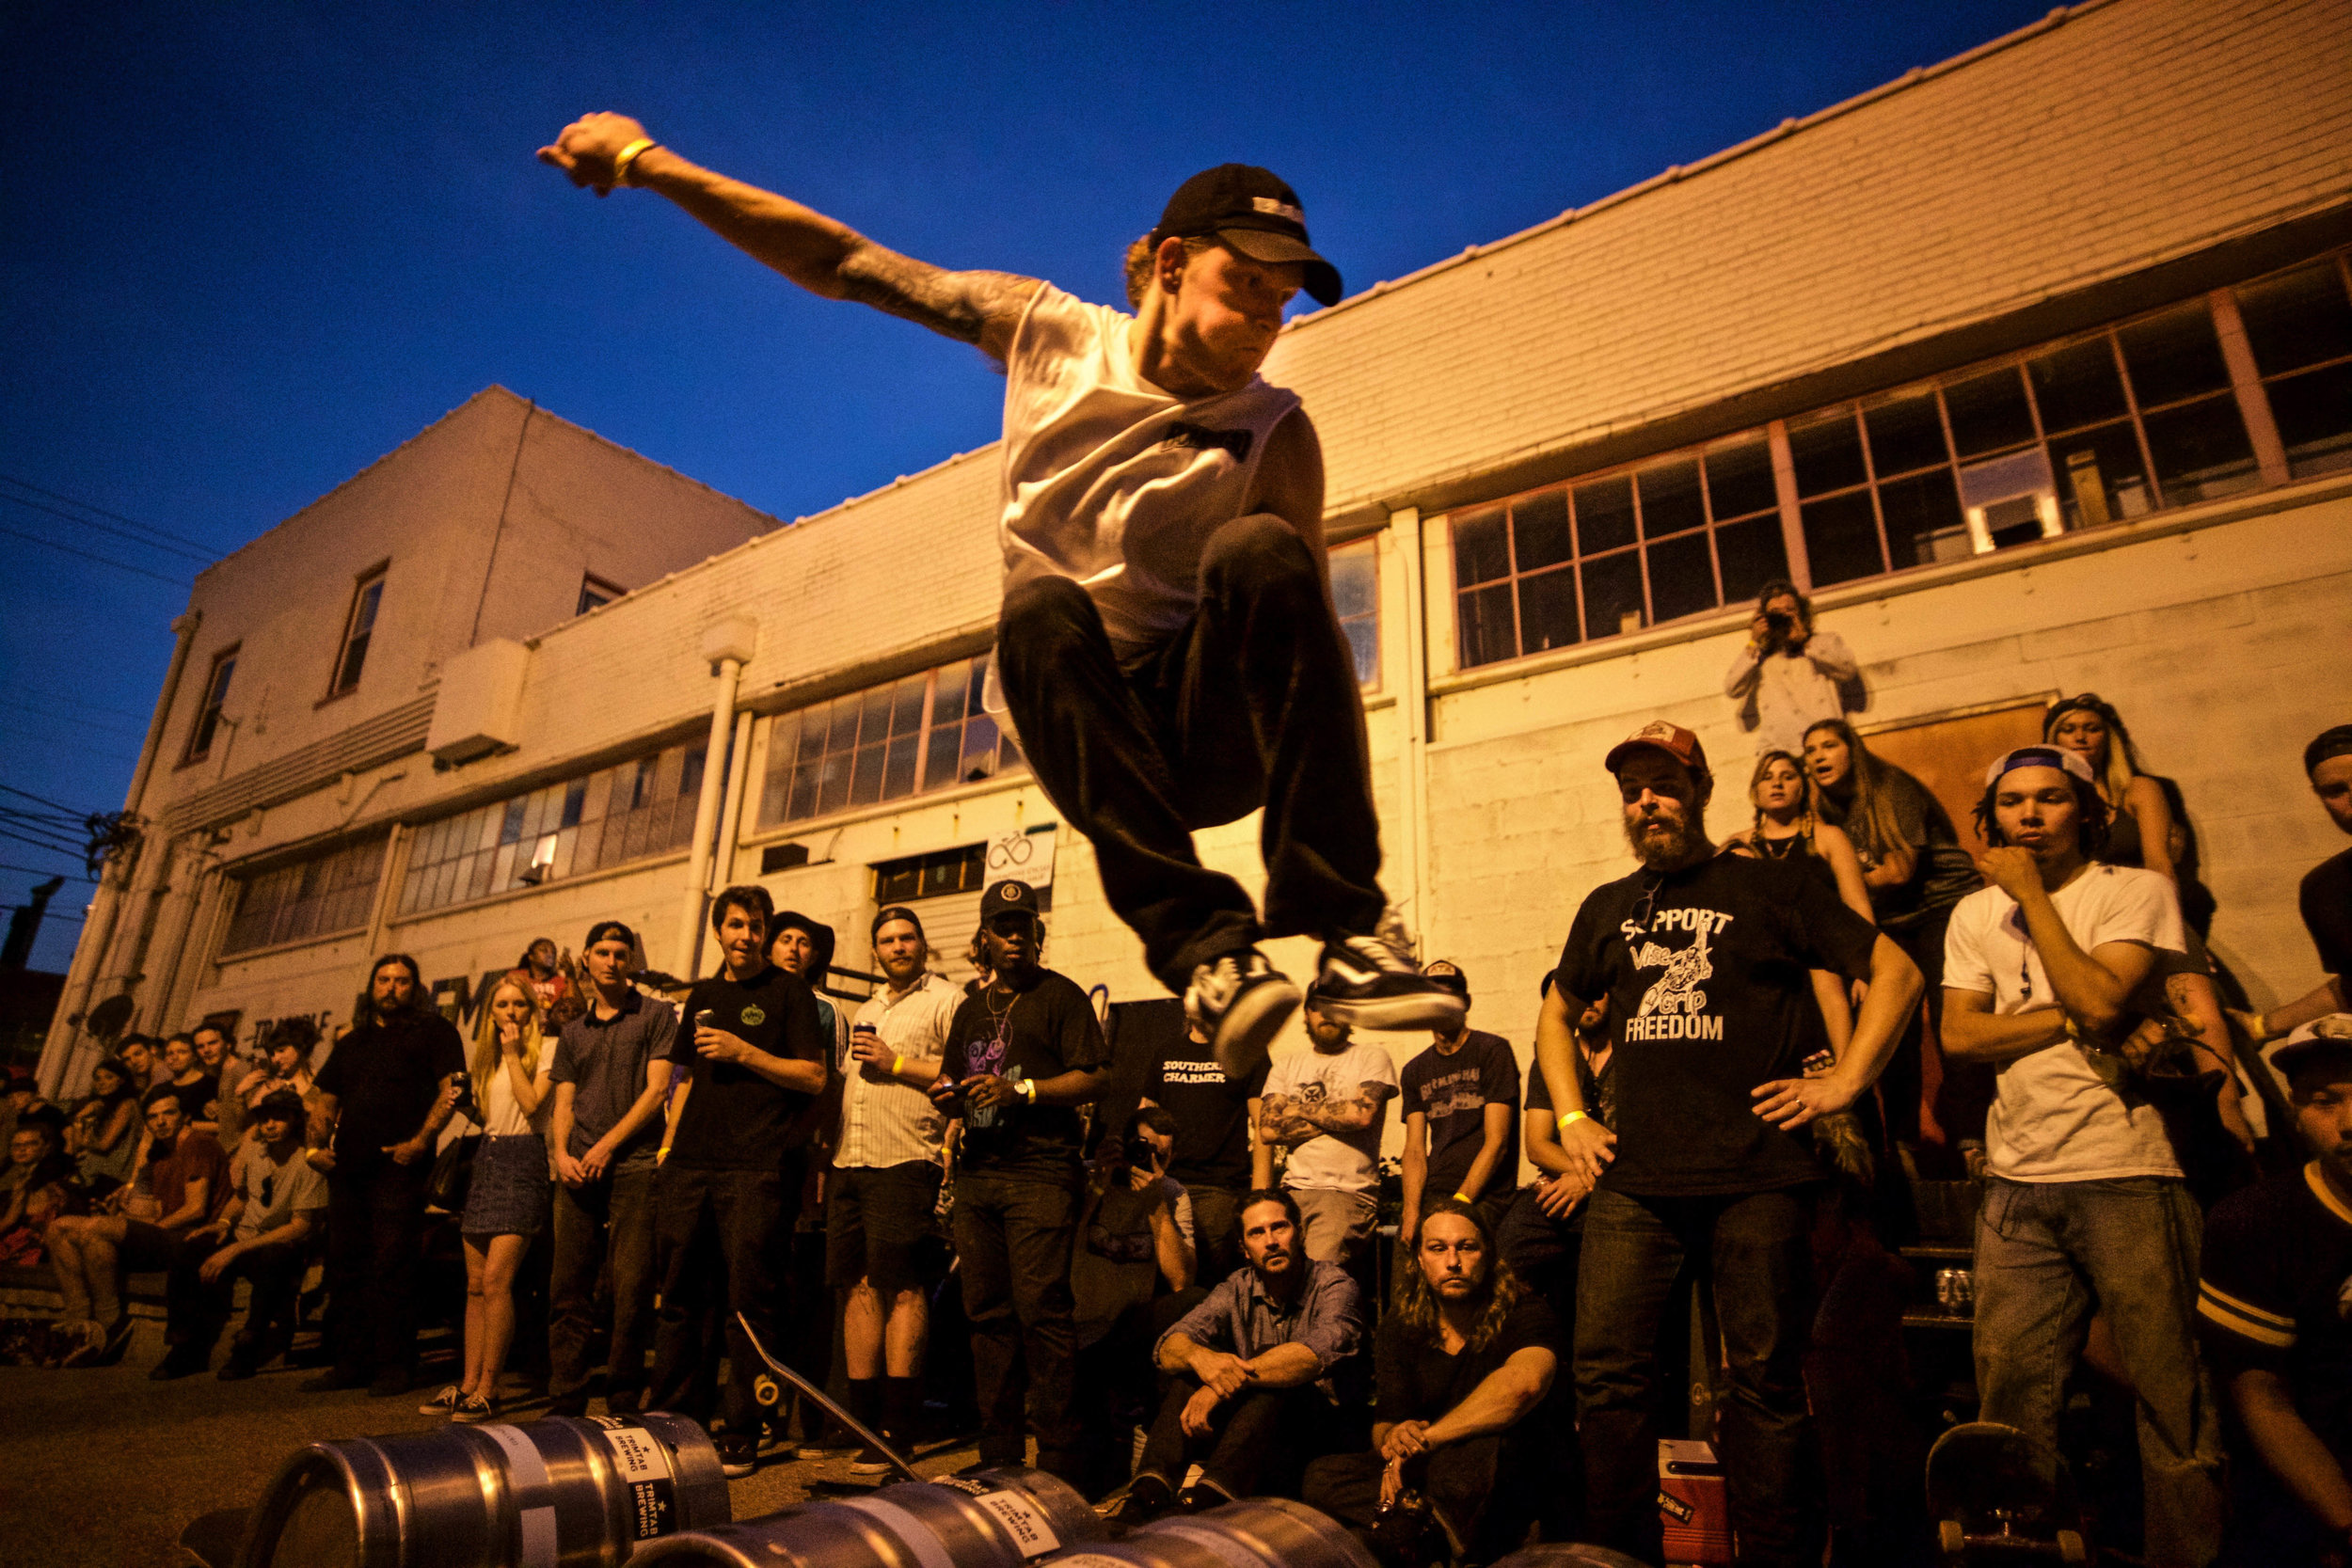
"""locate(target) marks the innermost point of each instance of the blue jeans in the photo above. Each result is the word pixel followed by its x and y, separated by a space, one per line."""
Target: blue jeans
pixel 2051 1253
pixel 1758 1245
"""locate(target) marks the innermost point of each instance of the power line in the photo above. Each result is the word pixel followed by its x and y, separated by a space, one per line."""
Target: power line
pixel 140 571
pixel 70 500
pixel 105 528
pixel 41 801
pixel 66 717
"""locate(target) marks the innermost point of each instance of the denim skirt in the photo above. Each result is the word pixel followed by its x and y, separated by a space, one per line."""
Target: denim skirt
pixel 511 1190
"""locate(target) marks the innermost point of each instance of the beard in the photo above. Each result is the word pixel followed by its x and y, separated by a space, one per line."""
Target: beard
pixel 1678 844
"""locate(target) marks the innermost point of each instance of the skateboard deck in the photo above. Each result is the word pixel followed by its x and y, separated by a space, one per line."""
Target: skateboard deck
pixel 1999 1496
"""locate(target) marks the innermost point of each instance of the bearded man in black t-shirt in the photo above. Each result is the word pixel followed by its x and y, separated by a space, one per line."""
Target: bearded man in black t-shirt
pixel 1024 1053
pixel 1702 959
pixel 727 1181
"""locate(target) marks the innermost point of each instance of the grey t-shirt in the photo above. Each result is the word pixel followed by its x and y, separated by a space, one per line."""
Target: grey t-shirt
pixel 275 1190
pixel 605 1060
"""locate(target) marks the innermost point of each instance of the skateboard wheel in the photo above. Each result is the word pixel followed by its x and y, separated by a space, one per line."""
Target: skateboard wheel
pixel 1952 1538
pixel 2071 1548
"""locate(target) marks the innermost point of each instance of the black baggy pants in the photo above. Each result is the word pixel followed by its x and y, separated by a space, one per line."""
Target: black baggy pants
pixel 715 1245
pixel 1259 1440
pixel 374 1252
pixel 603 1231
pixel 1254 704
pixel 196 1309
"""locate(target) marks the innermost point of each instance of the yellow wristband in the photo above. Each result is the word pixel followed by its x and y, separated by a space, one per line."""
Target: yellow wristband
pixel 898 1064
pixel 1462 1197
pixel 630 155
pixel 1028 1087
pixel 1571 1117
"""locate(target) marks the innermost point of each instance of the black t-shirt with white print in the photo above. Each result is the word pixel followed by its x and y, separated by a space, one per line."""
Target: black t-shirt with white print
pixel 1453 1092
pixel 1212 1113
pixel 1705 972
pixel 1041 1032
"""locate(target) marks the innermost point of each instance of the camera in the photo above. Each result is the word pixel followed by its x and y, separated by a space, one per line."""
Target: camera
pixel 1778 624
pixel 1139 1152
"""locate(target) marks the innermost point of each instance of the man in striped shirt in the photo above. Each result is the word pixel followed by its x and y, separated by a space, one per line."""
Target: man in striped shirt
pixel 884 1184
pixel 2274 1287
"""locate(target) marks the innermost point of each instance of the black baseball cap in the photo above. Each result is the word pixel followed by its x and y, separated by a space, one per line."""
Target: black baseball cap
pixel 889 912
pixel 614 929
pixel 1251 210
pixel 1007 895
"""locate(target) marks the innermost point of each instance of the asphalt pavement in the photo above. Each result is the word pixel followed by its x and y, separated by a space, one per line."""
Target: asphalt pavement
pixel 104 1467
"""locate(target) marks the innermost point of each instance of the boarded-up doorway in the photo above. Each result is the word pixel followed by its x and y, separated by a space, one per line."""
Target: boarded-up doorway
pixel 1948 752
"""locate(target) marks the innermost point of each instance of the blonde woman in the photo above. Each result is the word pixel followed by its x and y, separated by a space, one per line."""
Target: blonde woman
pixel 2142 829
pixel 508 1201
pixel 1788 827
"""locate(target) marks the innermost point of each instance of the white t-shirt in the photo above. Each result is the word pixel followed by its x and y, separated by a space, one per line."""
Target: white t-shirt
pixel 1349 1161
pixel 1111 482
pixel 2055 1118
pixel 502 1114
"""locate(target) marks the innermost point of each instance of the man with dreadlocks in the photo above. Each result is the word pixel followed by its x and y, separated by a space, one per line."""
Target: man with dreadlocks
pixel 1464 1362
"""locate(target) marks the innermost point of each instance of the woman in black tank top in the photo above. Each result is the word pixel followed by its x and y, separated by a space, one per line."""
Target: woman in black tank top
pixel 1788 827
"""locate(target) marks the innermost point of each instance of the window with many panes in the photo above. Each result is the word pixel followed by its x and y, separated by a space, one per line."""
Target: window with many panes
pixel 2300 325
pixel 1356 594
pixel 1616 552
pixel 215 695
pixel 908 737
pixel 2103 427
pixel 932 875
pixel 319 896
pixel 641 807
pixel 358 630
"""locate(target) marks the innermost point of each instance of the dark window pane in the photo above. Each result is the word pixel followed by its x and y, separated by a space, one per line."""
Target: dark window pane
pixel 1905 434
pixel 1482 552
pixel 947 701
pixel 2314 417
pixel 843 734
pixel 2200 452
pixel 2100 476
pixel 1751 554
pixel 866 789
pixel 575 800
pixel 1988 412
pixel 1547 611
pixel 906 705
pixel 1841 539
pixel 1670 500
pixel 2299 319
pixel 1923 520
pixel 1739 480
pixel 1828 454
pixel 1612 594
pixel 689 777
pixel 510 824
pixel 833 782
pixel 1682 577
pixel 1539 531
pixel 2174 356
pixel 2077 384
pixel 1486 632
pixel 1604 516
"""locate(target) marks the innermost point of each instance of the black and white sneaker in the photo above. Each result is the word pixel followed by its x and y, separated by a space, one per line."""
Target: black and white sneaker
pixel 1372 982
pixel 1240 1003
pixel 738 1456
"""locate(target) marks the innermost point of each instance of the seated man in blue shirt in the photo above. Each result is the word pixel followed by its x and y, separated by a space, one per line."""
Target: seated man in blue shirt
pixel 1251 1393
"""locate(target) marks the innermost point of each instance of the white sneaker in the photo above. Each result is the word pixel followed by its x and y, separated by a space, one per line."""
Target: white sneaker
pixel 443 1403
pixel 1240 1003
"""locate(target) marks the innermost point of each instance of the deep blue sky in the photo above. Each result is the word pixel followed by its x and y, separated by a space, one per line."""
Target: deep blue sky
pixel 246 250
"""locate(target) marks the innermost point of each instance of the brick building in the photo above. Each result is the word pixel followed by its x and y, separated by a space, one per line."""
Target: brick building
pixel 2034 366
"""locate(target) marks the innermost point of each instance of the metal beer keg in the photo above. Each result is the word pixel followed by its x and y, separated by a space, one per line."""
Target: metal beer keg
pixel 556 1493
pixel 1274 1532
pixel 995 1518
pixel 1568 1555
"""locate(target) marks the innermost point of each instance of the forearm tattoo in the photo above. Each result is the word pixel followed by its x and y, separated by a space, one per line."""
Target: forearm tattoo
pixel 958 305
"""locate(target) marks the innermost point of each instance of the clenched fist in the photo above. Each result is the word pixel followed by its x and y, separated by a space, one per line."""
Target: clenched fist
pixel 586 150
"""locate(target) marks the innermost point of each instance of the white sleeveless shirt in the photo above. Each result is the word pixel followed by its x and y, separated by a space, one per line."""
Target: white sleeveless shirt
pixel 1111 482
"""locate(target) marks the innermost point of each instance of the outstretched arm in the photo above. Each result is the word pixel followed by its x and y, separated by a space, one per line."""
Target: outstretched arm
pixel 822 256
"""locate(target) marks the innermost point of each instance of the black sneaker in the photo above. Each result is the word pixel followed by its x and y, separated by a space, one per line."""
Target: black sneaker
pixel 738 1457
pixel 1201 1495
pixel 178 1362
pixel 1139 1501
pixel 1240 1003
pixel 1372 982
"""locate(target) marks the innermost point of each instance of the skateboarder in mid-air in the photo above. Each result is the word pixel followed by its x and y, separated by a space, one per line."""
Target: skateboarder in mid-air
pixel 1166 649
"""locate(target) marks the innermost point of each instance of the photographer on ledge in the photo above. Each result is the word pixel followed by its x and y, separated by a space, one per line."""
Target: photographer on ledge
pixel 1789 676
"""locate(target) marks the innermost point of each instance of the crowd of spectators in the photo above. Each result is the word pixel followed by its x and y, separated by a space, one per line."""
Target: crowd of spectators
pixel 927 1198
